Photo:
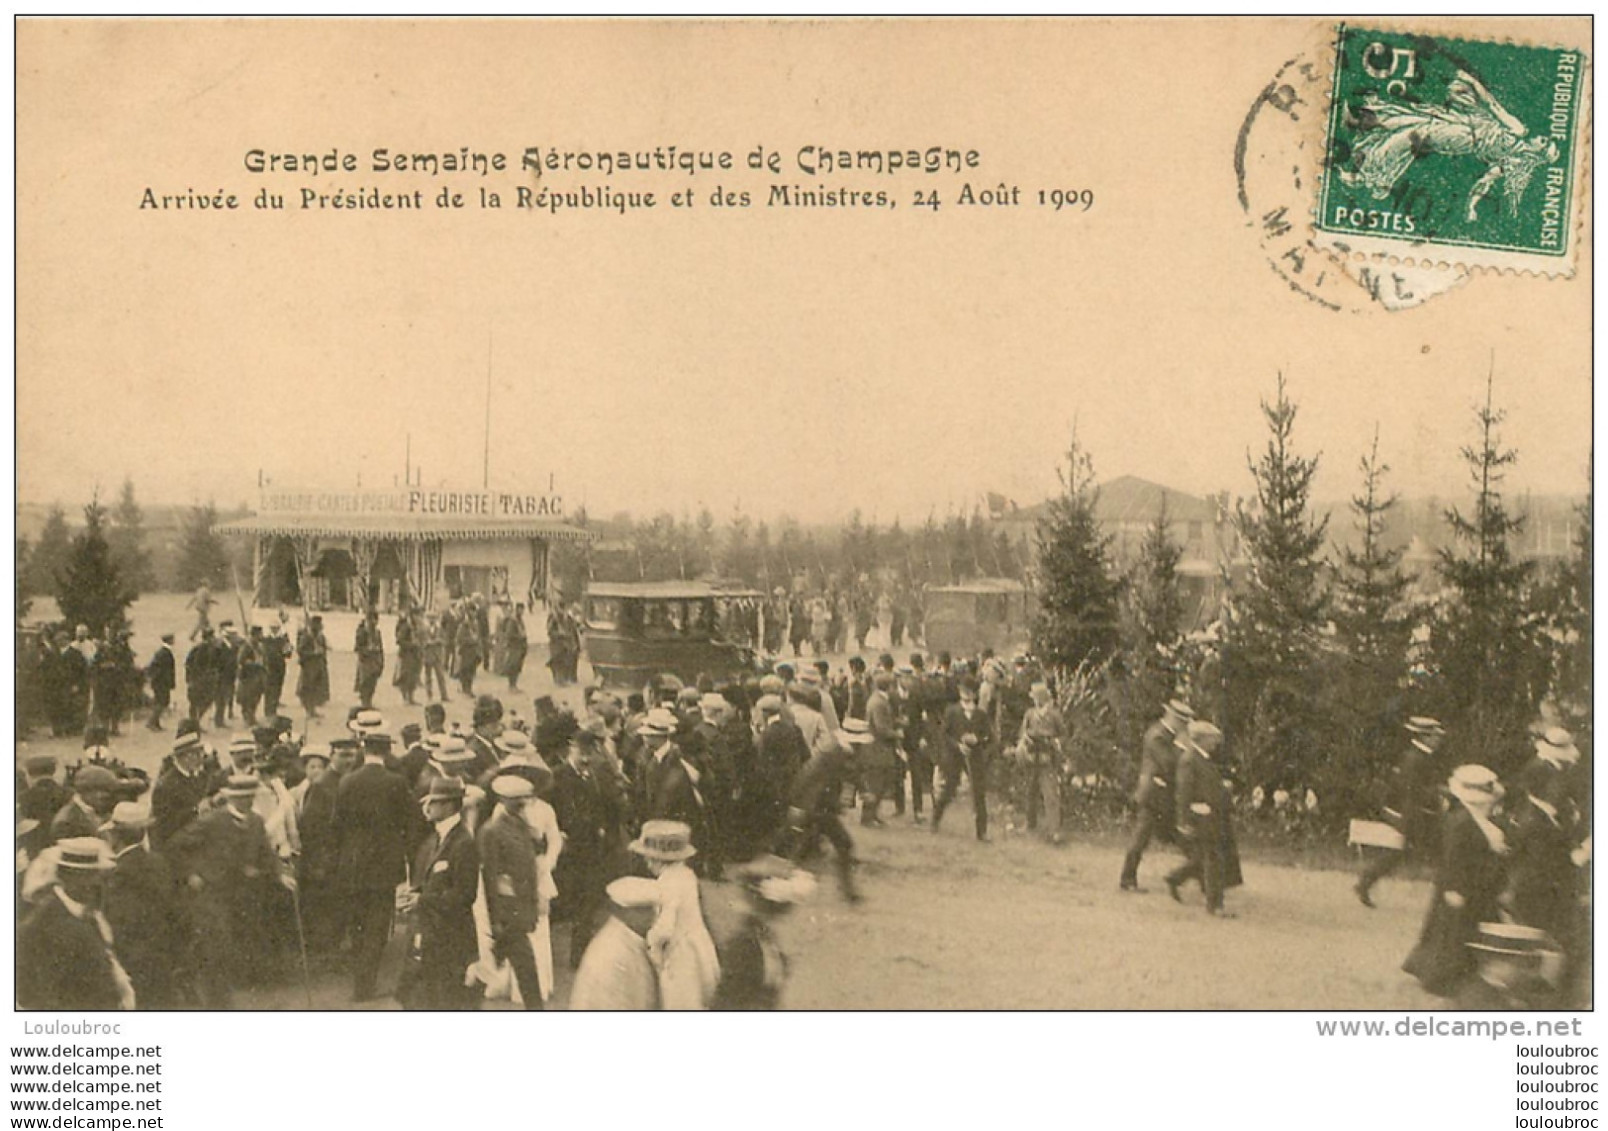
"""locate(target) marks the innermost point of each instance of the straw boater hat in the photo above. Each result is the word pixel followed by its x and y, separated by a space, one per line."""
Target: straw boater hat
pixel 1476 785
pixel 657 722
pixel 633 891
pixel 1424 725
pixel 187 742
pixel 130 815
pixel 1557 745
pixel 242 744
pixel 1181 709
pixel 83 854
pixel 533 770
pixel 241 785
pixel 453 751
pixel 512 787
pixel 664 840
pixel 513 743
pixel 856 732
pixel 315 750
pixel 1205 735
pixel 366 722
pixel 713 701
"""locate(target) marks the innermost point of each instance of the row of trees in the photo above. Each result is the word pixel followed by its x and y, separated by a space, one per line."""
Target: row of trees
pixel 96 571
pixel 765 556
pixel 1317 659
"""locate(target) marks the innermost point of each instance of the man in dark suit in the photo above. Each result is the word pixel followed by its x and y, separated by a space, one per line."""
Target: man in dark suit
pixel 318 869
pixel 225 659
pixel 1153 793
pixel 508 869
pixel 812 810
pixel 180 788
pixel 370 648
pixel 162 674
pixel 1415 807
pixel 201 675
pixel 142 906
pixel 782 754
pixel 1203 819
pixel 373 809
pixel 64 946
pixel 446 877
pixel 276 651
pixel 968 734
pixel 666 789
pixel 583 816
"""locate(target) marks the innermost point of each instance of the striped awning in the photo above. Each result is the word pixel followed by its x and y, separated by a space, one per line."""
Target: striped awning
pixel 409 528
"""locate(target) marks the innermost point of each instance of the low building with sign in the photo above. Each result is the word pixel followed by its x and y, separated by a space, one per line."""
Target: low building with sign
pixel 418 546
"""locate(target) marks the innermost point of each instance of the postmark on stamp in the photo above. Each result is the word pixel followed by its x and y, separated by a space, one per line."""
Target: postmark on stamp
pixel 1453 151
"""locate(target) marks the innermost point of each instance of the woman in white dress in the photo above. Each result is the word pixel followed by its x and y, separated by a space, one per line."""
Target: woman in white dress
pixel 679 941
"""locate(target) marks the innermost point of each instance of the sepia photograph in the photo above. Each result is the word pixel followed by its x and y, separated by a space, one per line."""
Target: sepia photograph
pixel 803 514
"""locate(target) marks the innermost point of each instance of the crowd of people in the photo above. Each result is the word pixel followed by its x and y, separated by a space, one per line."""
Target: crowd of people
pixel 484 835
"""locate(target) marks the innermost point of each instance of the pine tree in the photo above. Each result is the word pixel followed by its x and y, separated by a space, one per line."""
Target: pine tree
pixel 1273 630
pixel 50 553
pixel 25 592
pixel 202 558
pixel 1486 657
pixel 1077 589
pixel 91 593
pixel 1374 627
pixel 1158 599
pixel 127 538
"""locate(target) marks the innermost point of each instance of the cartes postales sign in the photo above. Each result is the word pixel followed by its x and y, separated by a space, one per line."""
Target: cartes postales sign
pixel 1454 151
pixel 414 501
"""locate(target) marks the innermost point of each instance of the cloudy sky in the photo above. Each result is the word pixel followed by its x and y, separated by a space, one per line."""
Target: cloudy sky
pixel 802 361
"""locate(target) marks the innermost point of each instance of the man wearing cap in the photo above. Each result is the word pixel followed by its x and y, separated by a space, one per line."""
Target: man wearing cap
pixel 223 859
pixel 162 676
pixel 40 800
pixel 1153 793
pixel 180 788
pixel 616 971
pixel 64 947
pixel 508 869
pixel 94 794
pixel 141 903
pixel 446 878
pixel 373 811
pixel 1203 819
pixel 1415 808
pixel 968 736
pixel 370 648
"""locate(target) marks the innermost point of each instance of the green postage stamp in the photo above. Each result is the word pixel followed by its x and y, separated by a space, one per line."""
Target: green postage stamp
pixel 1444 150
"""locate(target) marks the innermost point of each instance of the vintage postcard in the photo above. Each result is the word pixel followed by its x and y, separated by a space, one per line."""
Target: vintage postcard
pixel 806 514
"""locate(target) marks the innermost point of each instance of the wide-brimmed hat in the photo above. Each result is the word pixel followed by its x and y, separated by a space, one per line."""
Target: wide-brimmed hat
pixel 1557 744
pixel 665 840
pixel 533 770
pixel 444 789
pixel 84 854
pixel 1474 784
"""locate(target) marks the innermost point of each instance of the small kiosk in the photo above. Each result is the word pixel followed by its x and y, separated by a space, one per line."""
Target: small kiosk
pixel 355 550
